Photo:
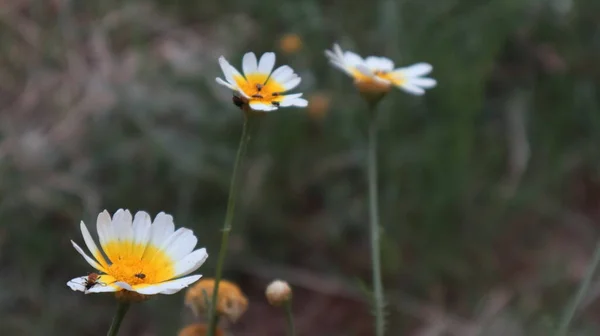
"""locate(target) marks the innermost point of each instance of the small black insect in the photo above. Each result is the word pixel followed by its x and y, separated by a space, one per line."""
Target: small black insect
pixel 257 96
pixel 259 87
pixel 275 94
pixel 140 275
pixel 275 103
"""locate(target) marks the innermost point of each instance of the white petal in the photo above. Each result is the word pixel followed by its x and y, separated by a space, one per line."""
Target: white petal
pixel 180 244
pixel 249 64
pixel 104 228
pixel 260 106
pixel 415 70
pixel 266 63
pixel 341 67
pixel 352 59
pixel 123 285
pixel 103 289
pixel 162 228
pixel 90 261
pixel 142 230
pixel 292 83
pixel 227 69
pixel 169 287
pixel 363 69
pixel 91 245
pixel 104 284
pixel 282 74
pixel 338 50
pixel 190 262
pixel 122 225
pixel 379 63
pixel 288 100
pixel 298 102
pixel 426 83
pixel 412 89
pixel 77 284
pixel 224 83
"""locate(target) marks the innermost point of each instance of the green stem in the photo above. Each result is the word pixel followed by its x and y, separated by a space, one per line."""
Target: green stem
pixel 228 221
pixel 116 322
pixel 374 223
pixel 583 289
pixel 289 316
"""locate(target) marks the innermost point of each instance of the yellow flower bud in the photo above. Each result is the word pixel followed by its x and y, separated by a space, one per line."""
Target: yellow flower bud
pixel 231 301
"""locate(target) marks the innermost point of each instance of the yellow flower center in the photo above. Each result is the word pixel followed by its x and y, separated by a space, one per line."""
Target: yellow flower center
pixel 259 87
pixel 368 84
pixel 138 264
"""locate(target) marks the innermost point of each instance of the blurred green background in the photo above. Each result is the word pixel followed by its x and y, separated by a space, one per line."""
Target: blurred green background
pixel 490 183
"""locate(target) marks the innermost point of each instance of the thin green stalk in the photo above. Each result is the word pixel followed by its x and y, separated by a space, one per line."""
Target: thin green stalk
pixel 119 315
pixel 289 316
pixel 233 191
pixel 374 224
pixel 583 289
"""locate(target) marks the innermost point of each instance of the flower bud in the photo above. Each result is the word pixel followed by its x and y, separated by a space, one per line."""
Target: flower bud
pixel 278 292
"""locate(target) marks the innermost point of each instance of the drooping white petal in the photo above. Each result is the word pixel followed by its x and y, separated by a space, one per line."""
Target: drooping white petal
pixel 260 106
pixel 412 89
pixel 90 261
pixel 249 63
pixel 224 83
pixel 77 284
pixel 162 228
pixel 91 245
pixel 103 289
pixel 227 69
pixel 292 83
pixel 104 284
pixel 426 83
pixel 168 287
pixel 180 244
pixel 338 51
pixel 415 70
pixel 190 262
pixel 123 285
pixel 266 63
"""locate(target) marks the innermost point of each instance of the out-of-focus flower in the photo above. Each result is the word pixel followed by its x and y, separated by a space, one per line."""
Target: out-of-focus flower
pixel 290 43
pixel 376 75
pixel 198 329
pixel 231 301
pixel 142 257
pixel 318 106
pixel 261 88
pixel 278 292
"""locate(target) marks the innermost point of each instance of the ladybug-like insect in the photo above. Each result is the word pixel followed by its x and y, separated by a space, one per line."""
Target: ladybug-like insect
pixel 92 280
pixel 237 101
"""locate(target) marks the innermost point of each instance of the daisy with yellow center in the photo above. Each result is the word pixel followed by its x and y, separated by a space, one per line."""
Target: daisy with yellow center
pixel 377 74
pixel 261 88
pixel 139 255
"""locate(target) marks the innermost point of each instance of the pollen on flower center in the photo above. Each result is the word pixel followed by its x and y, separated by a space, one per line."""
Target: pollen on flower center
pixel 260 88
pixel 132 271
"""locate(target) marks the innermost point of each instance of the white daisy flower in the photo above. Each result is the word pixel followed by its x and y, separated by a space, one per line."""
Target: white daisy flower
pixel 139 255
pixel 261 88
pixel 377 74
